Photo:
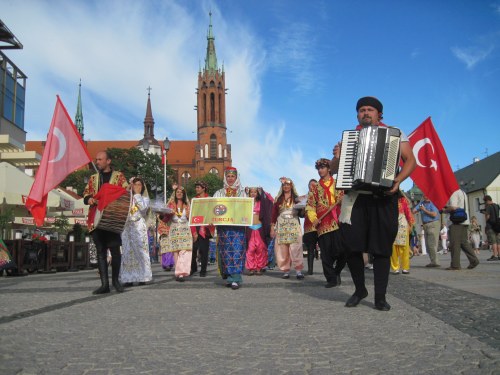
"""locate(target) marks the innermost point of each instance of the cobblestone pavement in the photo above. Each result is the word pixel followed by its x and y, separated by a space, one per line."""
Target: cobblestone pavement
pixel 51 324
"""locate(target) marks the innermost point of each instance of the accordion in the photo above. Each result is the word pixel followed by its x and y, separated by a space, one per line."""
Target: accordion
pixel 369 158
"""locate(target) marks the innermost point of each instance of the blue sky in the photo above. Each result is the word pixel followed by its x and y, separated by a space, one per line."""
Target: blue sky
pixel 294 70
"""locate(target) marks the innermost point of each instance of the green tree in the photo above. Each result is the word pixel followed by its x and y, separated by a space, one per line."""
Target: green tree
pixel 61 223
pixel 213 181
pixel 132 162
pixel 6 218
pixel 78 180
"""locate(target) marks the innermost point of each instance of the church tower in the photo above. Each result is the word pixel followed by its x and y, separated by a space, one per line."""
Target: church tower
pixel 149 144
pixel 79 113
pixel 213 154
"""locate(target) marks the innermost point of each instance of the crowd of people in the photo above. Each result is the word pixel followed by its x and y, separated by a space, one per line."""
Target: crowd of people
pixel 345 225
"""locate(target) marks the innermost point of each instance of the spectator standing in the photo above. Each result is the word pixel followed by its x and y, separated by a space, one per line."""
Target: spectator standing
pixel 431 224
pixel 443 234
pixel 475 234
pixel 458 233
pixel 491 215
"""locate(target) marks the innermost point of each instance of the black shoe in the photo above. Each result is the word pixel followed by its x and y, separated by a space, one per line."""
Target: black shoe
pixel 472 265
pixel 102 290
pixel 382 305
pixel 179 279
pixel 331 284
pixel 203 274
pixel 354 300
pixel 128 285
pixel 118 286
pixel 142 283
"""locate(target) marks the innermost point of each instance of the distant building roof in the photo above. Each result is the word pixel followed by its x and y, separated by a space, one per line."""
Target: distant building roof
pixel 479 175
pixel 180 153
pixel 7 39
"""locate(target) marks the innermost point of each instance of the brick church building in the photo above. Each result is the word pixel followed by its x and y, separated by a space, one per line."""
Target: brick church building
pixel 190 159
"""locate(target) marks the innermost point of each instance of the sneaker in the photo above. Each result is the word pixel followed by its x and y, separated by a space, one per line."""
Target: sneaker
pixel 405 272
pixel 285 276
pixel 493 258
pixel 395 272
pixel 300 276
pixel 369 266
pixel 235 286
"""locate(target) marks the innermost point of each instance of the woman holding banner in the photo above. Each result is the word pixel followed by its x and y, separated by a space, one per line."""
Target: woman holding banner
pixel 231 241
pixel 179 238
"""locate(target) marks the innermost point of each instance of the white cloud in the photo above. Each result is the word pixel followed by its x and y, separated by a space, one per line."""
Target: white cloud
pixel 120 48
pixel 471 56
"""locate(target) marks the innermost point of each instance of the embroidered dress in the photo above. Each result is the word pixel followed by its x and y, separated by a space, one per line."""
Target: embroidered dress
pixel 136 264
pixel 180 241
pixel 231 241
pixel 288 245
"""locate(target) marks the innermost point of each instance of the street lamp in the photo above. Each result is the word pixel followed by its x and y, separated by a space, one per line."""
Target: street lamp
pixel 166 148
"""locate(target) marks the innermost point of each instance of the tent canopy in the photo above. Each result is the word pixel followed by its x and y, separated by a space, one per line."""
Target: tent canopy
pixel 14 184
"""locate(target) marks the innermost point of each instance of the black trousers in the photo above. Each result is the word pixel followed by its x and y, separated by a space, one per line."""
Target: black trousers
pixel 373 229
pixel 332 255
pixel 202 246
pixel 105 240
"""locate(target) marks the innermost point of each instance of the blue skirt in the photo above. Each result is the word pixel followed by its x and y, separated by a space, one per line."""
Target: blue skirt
pixel 231 246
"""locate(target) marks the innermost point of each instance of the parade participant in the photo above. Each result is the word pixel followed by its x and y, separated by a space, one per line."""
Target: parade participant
pixel 258 235
pixel 322 210
pixel 201 235
pixel 167 258
pixel 231 243
pixel 401 248
pixel 179 238
pixel 104 239
pixel 136 261
pixel 368 221
pixel 285 227
pixel 310 237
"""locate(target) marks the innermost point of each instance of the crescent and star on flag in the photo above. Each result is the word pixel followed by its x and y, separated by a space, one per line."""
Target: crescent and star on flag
pixel 416 149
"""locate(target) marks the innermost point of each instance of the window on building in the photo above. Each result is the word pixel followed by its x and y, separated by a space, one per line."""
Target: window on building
pixel 201 152
pixel 225 152
pixel 212 107
pixel 185 178
pixel 220 151
pixel 204 104
pixel 214 171
pixel 206 150
pixel 213 146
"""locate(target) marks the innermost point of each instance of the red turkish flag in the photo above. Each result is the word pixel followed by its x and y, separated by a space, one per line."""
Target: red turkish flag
pixel 198 219
pixel 64 153
pixel 162 155
pixel 433 174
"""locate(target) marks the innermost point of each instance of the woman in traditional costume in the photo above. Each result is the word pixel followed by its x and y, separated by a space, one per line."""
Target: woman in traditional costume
pixel 136 263
pixel 258 235
pixel 401 249
pixel 179 239
pixel 285 227
pixel 231 242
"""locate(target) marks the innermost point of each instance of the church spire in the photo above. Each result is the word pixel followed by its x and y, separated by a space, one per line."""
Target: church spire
pixel 149 122
pixel 211 59
pixel 79 113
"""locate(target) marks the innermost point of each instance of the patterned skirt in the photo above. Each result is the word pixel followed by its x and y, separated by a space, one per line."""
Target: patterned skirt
pixel 231 245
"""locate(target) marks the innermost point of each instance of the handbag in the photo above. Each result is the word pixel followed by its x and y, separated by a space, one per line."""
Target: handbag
pixel 458 216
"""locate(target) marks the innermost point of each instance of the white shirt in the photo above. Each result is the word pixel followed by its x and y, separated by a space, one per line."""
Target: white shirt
pixel 459 199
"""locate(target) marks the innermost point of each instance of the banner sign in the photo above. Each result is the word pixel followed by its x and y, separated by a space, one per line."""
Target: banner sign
pixel 221 211
pixel 77 211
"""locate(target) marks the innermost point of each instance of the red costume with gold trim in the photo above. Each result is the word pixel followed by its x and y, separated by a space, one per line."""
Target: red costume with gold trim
pixel 321 198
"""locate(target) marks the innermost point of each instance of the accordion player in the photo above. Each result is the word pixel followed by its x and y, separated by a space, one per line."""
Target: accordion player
pixel 369 158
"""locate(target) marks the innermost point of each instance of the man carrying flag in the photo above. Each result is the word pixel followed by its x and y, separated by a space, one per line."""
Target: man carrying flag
pixel 64 153
pixel 105 239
